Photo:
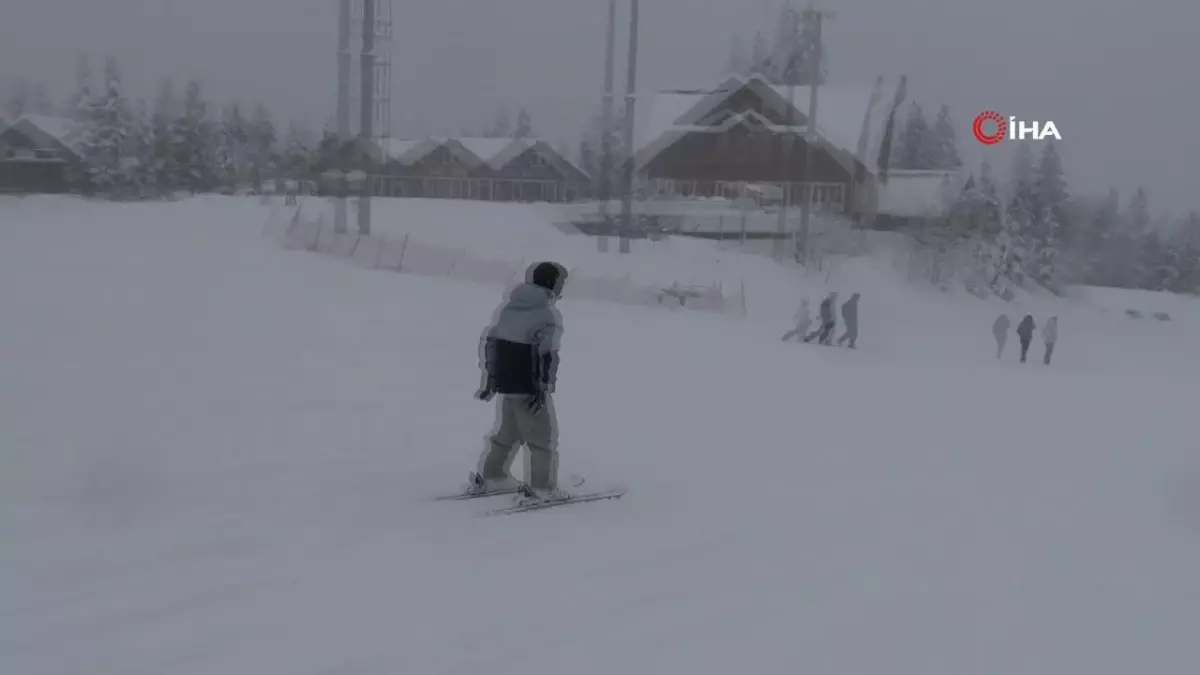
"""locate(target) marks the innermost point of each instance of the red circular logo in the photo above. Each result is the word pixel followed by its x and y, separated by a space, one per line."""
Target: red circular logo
pixel 989 138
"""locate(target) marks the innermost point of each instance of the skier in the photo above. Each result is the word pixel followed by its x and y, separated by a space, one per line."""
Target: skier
pixel 828 321
pixel 850 318
pixel 1000 331
pixel 1050 335
pixel 803 321
pixel 520 362
pixel 1025 333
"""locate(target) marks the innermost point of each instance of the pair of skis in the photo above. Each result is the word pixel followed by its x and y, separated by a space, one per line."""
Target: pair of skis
pixel 538 504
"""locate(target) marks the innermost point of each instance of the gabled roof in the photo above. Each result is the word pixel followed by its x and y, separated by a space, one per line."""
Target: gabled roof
pixel 494 152
pixel 843 113
pixel 46 129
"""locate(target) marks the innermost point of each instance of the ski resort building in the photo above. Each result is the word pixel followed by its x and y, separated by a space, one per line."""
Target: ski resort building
pixel 728 142
pixel 35 152
pixel 486 169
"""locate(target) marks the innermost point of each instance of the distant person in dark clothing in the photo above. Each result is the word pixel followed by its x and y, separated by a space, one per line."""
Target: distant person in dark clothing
pixel 850 318
pixel 1025 333
pixel 1000 332
pixel 828 322
pixel 1050 335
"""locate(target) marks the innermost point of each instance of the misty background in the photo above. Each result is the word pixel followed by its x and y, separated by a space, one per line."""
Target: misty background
pixel 1118 79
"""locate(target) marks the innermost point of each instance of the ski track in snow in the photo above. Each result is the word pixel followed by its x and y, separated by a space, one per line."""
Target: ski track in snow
pixel 220 457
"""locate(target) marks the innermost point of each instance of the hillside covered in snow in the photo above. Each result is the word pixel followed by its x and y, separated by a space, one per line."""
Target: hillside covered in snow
pixel 219 456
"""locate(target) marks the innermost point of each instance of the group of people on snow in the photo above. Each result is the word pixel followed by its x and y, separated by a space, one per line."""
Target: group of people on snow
pixel 827 325
pixel 1025 331
pixel 519 363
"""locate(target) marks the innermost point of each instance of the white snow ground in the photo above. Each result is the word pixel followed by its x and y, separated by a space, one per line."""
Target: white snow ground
pixel 216 457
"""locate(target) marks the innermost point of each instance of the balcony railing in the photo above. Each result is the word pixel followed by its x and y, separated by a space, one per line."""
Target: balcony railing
pixel 827 196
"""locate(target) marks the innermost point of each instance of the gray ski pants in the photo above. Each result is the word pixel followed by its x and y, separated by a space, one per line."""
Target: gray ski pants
pixel 516 425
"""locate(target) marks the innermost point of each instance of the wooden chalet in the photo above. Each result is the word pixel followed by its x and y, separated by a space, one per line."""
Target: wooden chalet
pixel 35 153
pixel 729 141
pixel 486 169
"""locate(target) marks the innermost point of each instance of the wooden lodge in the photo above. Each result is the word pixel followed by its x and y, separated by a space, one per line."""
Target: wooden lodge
pixel 730 141
pixel 35 153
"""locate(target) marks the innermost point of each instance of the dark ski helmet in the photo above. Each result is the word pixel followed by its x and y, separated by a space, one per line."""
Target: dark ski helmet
pixel 549 275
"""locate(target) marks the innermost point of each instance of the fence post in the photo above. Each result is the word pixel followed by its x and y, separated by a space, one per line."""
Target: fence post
pixel 270 221
pixel 745 311
pixel 379 253
pixel 316 245
pixel 403 248
pixel 287 234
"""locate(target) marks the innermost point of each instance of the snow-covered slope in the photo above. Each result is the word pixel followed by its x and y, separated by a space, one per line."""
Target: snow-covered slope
pixel 218 457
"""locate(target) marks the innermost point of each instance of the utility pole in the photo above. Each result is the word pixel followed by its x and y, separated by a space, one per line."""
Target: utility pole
pixel 785 167
pixel 810 130
pixel 367 111
pixel 343 110
pixel 606 167
pixel 630 96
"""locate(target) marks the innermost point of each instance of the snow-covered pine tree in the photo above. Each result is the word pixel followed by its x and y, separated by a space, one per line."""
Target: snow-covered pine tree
pixel 1106 243
pixel 168 174
pixel 791 58
pixel 1048 224
pixel 232 146
pixel 106 143
pixel 263 154
pixel 987 180
pixel 1187 243
pixel 224 171
pixel 298 152
pixel 79 110
pixel 913 143
pixel 141 174
pixel 328 150
pixel 192 141
pixel 524 125
pixel 594 137
pixel 79 105
pixel 1137 217
pixel 979 207
pixel 941 146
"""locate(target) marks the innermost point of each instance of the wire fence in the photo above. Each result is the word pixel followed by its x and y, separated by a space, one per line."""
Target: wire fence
pixel 410 255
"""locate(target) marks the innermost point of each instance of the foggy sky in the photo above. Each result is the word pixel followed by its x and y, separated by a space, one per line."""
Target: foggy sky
pixel 1120 79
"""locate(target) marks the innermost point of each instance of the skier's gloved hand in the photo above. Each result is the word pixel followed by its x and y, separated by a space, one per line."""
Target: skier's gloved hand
pixel 485 394
pixel 536 402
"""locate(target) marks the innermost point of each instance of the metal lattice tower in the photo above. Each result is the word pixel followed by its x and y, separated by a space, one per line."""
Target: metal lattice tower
pixel 372 20
pixel 364 93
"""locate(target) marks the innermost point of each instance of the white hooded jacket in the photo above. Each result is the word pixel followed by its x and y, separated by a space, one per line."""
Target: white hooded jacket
pixel 1050 331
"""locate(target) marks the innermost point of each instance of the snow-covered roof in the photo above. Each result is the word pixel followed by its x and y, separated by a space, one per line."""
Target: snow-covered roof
pixel 495 152
pixel 60 129
pixel 844 113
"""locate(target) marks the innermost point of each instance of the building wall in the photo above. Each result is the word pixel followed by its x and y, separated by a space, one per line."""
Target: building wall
pixel 704 161
pixel 26 167
pixel 743 155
